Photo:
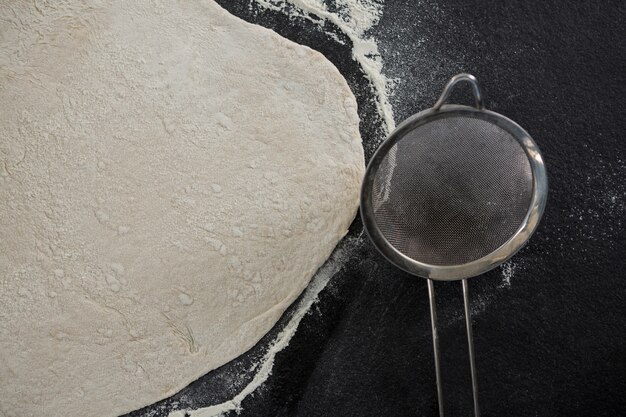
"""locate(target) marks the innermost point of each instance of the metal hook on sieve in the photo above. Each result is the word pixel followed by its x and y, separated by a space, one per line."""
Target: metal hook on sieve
pixel 453 192
pixel 453 81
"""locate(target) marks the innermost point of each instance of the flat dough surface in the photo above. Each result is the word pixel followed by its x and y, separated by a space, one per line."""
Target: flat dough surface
pixel 171 177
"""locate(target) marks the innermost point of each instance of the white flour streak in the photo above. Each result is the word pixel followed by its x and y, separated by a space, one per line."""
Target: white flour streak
pixel 309 298
pixel 354 18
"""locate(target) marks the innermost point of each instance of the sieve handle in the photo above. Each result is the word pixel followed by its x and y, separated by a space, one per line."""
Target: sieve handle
pixel 470 342
pixel 453 81
pixel 433 323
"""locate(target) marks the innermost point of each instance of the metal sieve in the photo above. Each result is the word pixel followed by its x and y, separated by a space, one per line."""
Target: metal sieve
pixel 453 192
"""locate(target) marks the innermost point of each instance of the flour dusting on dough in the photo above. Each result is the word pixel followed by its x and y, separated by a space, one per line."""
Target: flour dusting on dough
pixel 354 18
pixel 264 367
pixel 163 213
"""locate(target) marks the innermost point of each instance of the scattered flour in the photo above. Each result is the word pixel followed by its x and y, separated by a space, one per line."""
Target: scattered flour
pixel 354 18
pixel 480 301
pixel 508 269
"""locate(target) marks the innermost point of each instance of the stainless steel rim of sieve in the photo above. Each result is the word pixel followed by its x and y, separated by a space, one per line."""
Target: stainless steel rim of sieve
pixel 456 121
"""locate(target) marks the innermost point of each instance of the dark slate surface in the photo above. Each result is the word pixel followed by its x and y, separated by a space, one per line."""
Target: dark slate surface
pixel 552 343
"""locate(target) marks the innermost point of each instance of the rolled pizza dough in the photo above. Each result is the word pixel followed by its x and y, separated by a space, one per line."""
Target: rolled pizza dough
pixel 170 179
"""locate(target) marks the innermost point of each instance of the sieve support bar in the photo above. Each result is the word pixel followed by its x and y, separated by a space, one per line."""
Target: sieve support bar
pixel 433 322
pixel 470 344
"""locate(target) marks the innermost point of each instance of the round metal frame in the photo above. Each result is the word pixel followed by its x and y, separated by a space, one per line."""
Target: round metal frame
pixel 506 250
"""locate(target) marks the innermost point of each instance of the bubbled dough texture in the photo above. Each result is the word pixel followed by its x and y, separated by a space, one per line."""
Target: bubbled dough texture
pixel 170 179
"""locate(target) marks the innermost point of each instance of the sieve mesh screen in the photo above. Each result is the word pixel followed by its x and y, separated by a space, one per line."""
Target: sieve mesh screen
pixel 452 191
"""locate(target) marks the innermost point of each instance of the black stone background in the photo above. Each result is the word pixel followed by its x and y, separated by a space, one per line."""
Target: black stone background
pixel 550 344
